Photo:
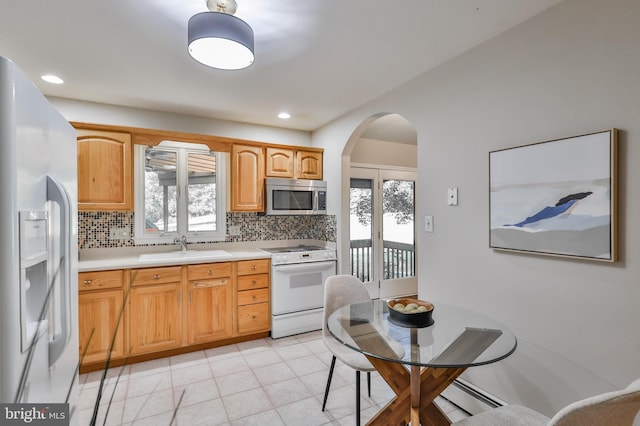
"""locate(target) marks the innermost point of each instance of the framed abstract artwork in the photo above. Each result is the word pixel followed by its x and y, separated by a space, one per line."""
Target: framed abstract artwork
pixel 556 197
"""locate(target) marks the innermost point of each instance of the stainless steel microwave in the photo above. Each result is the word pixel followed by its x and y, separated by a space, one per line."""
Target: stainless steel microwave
pixel 295 196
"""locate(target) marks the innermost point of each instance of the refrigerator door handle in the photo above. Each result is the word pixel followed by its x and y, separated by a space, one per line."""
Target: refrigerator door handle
pixel 57 194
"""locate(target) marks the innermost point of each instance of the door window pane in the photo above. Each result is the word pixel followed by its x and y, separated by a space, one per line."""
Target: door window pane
pixel 398 229
pixel 201 192
pixel 160 196
pixel 361 228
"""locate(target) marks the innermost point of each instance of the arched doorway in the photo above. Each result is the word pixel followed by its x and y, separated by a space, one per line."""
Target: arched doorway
pixel 379 165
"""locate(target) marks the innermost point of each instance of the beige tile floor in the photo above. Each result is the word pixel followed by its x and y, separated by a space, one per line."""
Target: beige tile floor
pixel 262 382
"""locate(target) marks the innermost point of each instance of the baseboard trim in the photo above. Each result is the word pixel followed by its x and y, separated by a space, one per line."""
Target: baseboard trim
pixel 471 398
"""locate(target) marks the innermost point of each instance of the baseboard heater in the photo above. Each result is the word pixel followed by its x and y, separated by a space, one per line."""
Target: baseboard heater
pixel 471 398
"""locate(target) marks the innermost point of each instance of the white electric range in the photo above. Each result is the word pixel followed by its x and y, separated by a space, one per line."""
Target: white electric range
pixel 297 287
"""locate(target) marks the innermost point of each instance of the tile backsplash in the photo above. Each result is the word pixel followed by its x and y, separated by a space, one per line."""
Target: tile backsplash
pixel 94 227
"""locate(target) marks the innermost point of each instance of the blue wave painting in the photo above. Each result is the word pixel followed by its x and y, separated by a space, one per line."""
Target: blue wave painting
pixel 552 211
pixel 554 197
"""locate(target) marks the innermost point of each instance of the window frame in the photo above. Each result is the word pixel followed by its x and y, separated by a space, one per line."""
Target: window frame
pixel 182 149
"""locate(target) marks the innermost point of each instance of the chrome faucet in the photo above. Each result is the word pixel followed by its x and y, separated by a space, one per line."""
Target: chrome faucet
pixel 182 240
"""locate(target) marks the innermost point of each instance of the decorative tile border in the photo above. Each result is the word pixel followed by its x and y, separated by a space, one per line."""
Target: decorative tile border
pixel 93 228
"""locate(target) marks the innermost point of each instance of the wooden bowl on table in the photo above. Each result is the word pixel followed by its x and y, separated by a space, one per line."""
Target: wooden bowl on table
pixel 410 312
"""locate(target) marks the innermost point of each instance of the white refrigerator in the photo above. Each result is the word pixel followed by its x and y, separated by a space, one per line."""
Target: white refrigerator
pixel 38 246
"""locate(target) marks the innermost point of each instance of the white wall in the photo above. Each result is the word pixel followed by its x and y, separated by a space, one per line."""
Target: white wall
pixel 90 112
pixel 570 70
pixel 373 151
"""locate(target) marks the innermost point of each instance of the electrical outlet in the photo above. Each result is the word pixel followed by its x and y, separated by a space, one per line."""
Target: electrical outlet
pixel 119 234
pixel 234 230
pixel 452 196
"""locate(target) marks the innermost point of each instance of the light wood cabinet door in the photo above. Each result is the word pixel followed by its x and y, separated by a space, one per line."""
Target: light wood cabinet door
pixel 155 317
pixel 210 313
pixel 247 178
pixel 253 318
pixel 309 165
pixel 98 313
pixel 104 170
pixel 280 162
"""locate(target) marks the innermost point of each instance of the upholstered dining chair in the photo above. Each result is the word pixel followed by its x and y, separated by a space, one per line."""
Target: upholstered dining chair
pixel 339 291
pixel 618 408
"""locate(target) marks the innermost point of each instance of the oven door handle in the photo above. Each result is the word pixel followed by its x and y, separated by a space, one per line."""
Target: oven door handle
pixel 305 267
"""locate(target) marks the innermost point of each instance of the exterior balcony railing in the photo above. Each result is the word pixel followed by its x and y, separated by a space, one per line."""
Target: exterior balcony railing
pixel 398 259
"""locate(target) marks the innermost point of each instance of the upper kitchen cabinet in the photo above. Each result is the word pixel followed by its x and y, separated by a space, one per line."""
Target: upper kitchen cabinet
pixel 308 164
pixel 280 162
pixel 247 178
pixel 104 170
pixel 293 163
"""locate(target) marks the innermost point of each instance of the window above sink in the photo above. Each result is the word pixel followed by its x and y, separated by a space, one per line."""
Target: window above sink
pixel 179 190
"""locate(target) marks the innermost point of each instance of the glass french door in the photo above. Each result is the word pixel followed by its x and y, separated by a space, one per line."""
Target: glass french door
pixel 382 231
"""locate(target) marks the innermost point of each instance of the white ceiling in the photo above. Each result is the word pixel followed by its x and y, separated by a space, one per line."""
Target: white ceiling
pixel 315 59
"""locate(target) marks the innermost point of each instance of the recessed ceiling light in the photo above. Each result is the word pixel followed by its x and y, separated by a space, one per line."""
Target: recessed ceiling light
pixel 50 78
pixel 284 115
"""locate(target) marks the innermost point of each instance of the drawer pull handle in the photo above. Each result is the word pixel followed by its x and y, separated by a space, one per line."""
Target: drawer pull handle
pixel 156 277
pixel 87 282
pixel 254 267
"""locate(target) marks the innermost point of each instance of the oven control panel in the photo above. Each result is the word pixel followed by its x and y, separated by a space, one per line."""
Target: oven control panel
pixel 302 257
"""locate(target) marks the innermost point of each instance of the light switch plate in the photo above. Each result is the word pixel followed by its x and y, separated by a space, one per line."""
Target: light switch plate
pixel 428 224
pixel 452 196
pixel 234 230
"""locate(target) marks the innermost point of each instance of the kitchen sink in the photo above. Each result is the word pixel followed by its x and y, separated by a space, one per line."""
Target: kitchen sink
pixel 189 254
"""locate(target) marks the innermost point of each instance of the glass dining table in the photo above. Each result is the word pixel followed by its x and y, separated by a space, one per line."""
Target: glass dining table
pixel 418 363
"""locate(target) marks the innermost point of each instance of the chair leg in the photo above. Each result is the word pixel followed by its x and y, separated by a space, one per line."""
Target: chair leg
pixel 369 383
pixel 357 398
pixel 326 390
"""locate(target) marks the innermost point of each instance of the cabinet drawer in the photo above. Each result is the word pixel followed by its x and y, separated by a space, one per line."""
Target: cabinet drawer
pixel 251 282
pixel 249 297
pixel 214 282
pixel 249 267
pixel 100 280
pixel 253 318
pixel 150 276
pixel 208 271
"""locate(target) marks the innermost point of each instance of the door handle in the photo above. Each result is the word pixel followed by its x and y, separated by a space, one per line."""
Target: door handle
pixel 57 194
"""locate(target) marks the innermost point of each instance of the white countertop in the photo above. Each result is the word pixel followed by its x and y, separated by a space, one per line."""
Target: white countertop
pixel 127 258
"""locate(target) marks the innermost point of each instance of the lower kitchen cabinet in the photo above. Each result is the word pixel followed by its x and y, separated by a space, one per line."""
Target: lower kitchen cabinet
pixel 254 313
pixel 98 314
pixel 155 309
pixel 172 307
pixel 156 318
pixel 209 312
pixel 100 319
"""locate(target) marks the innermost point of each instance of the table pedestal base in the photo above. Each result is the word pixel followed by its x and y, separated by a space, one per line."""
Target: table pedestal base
pixel 415 392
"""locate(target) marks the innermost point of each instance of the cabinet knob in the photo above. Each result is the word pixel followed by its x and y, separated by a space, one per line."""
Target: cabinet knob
pixel 254 297
pixel 87 282
pixel 210 272
pixel 156 277
pixel 254 267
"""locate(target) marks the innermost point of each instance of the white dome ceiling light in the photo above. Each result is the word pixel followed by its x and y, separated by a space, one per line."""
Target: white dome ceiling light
pixel 220 40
